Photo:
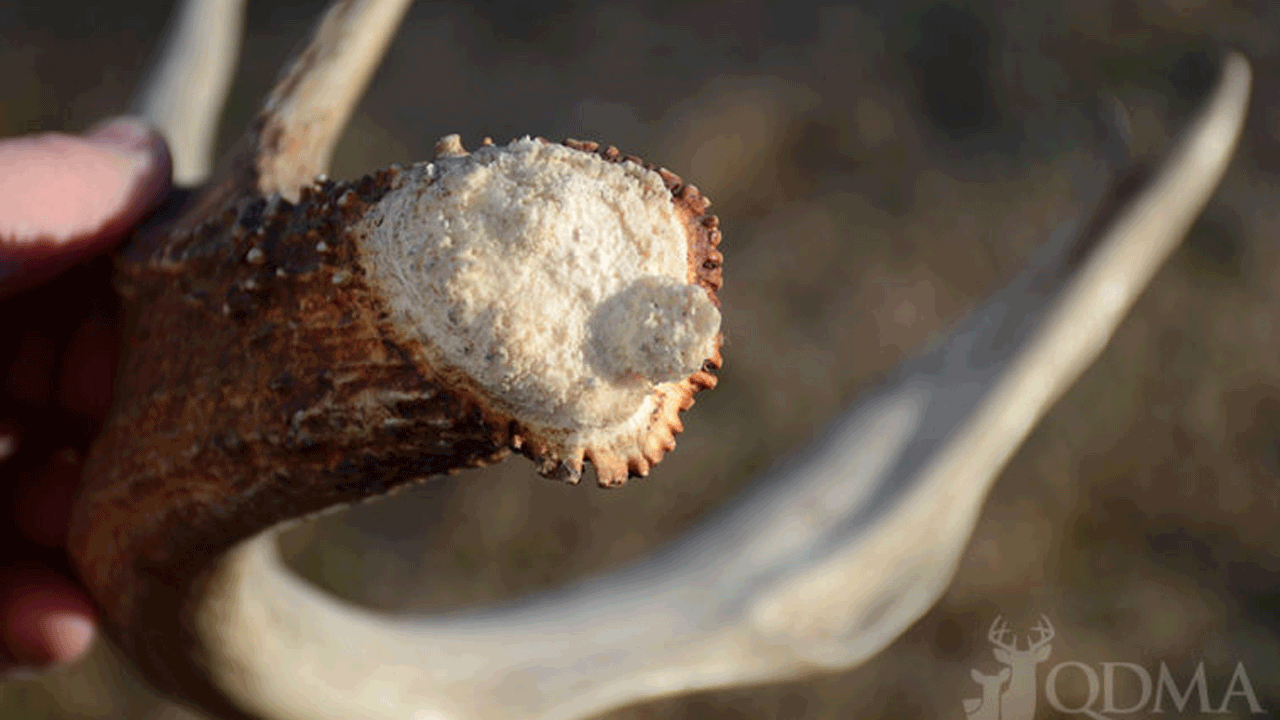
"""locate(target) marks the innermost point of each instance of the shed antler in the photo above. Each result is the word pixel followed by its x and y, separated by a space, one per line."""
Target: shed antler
pixel 188 86
pixel 293 346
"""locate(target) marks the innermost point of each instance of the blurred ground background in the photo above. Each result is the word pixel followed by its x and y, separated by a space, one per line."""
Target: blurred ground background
pixel 877 167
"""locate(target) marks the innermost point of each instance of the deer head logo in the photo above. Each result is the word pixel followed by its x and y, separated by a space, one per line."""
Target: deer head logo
pixel 1018 700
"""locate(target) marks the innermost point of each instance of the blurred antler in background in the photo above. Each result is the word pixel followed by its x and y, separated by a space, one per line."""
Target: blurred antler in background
pixel 190 82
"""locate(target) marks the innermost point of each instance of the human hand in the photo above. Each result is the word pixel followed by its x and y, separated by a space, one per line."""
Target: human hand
pixel 64 202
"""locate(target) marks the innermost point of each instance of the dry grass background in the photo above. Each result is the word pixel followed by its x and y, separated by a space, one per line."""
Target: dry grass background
pixel 877 168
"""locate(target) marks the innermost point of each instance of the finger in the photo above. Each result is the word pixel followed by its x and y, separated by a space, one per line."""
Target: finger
pixel 28 376
pixel 42 504
pixel 88 366
pixel 45 619
pixel 65 198
pixel 8 439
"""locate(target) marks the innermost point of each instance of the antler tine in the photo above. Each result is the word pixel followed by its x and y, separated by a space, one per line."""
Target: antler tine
pixel 186 89
pixel 293 138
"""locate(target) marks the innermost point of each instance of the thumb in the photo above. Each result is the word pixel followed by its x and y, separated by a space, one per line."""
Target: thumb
pixel 64 198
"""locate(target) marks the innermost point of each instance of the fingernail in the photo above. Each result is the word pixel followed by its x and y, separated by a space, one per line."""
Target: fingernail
pixel 130 134
pixel 68 636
